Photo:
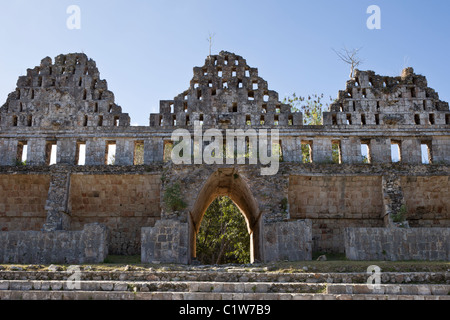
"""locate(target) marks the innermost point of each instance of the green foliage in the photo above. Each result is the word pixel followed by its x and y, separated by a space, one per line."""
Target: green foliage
pixel 223 236
pixel 172 198
pixel 20 163
pixel 312 107
pixel 306 153
pixel 335 155
pixel 400 216
pixel 284 204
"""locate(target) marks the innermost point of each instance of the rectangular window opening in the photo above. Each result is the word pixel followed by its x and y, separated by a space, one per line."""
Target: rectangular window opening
pixel 366 152
pixel 168 146
pixel 110 154
pixel 116 121
pixel 22 150
pixel 51 151
pixel 431 118
pixel 290 120
pixel 307 152
pixel 377 119
pixel 427 156
pixel 138 153
pixel 417 118
pixel 396 155
pixel 80 158
pixel 336 155
pixel 363 119
pixel 248 120
pixel 334 120
pixel 349 118
pixel 447 119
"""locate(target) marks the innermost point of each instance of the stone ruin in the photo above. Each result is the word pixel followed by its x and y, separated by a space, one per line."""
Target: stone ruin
pixel 80 206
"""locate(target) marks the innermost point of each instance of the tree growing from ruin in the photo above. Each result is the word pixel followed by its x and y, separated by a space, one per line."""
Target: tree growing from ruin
pixel 312 108
pixel 350 57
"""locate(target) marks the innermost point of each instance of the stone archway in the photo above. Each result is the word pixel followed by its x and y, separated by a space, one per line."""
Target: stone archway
pixel 227 182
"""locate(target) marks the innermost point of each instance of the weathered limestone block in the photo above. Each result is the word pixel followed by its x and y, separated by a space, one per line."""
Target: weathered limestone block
pixel 166 242
pixel 95 152
pixel 64 247
pixel 441 150
pixel 392 244
pixel 290 240
pixel 8 152
pixel 322 150
pixel 351 150
pixel 124 152
pixel 66 150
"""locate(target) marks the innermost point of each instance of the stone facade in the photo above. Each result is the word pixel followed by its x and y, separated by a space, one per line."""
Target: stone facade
pixel 63 108
pixel 395 244
pixel 64 247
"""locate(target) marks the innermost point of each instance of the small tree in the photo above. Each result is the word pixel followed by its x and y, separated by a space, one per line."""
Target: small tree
pixel 350 57
pixel 312 107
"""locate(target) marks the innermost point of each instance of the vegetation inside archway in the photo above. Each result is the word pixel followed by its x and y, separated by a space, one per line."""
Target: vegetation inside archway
pixel 223 236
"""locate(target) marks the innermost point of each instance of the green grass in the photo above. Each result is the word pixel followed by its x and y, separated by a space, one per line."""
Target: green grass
pixel 335 263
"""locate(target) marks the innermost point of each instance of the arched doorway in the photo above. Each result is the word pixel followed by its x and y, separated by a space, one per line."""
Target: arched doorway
pixel 223 236
pixel 227 182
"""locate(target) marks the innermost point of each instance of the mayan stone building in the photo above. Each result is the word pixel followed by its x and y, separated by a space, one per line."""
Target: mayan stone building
pixel 77 182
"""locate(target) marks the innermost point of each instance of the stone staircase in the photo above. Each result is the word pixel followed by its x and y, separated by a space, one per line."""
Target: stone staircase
pixel 228 284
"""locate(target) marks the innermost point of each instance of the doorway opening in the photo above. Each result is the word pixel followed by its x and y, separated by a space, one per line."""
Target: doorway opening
pixel 223 237
pixel 232 190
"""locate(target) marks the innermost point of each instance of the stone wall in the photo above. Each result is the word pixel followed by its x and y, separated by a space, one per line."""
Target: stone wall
pixel 64 247
pixel 166 242
pixel 123 203
pixel 22 201
pixel 394 244
pixel 333 203
pixel 427 201
pixel 290 240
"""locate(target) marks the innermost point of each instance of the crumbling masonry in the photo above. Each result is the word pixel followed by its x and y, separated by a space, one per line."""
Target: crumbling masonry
pixel 84 207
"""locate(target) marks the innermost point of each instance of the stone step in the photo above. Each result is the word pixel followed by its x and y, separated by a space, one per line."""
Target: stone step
pixel 121 295
pixel 233 276
pixel 226 287
pixel 164 286
pixel 390 289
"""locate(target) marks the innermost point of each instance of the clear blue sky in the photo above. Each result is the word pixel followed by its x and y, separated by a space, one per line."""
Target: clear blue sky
pixel 146 49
